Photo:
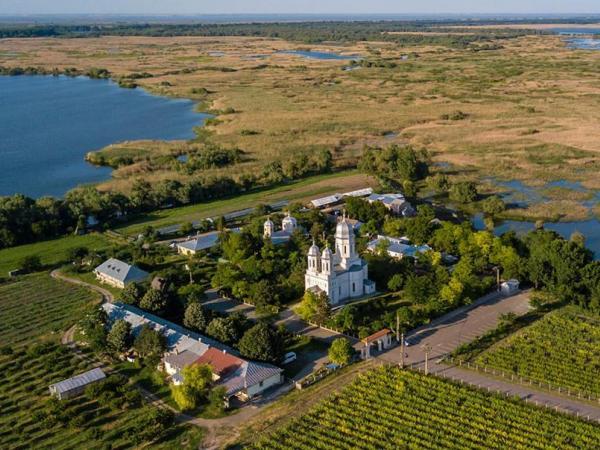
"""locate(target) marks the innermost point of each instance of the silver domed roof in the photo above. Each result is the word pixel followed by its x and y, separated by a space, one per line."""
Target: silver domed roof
pixel 327 253
pixel 313 250
pixel 343 230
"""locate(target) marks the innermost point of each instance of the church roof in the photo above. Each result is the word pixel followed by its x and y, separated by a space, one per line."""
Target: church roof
pixel 343 229
pixel 314 250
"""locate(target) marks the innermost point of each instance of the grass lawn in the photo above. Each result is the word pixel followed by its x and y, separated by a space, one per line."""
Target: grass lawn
pixel 562 349
pixel 37 305
pixel 51 252
pixel 24 394
pixel 295 191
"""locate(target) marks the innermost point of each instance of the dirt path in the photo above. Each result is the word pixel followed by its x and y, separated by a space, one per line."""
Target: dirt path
pixel 106 294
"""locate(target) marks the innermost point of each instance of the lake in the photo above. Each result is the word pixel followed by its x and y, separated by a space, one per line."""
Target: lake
pixel 589 228
pixel 319 55
pixel 48 124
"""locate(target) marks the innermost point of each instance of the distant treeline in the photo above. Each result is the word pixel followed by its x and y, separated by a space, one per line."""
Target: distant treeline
pixel 308 32
pixel 24 220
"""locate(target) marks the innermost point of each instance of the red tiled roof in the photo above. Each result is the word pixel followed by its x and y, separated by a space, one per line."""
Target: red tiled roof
pixel 376 336
pixel 221 362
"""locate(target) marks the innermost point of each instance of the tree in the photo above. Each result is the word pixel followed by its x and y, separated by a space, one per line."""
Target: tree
pixel 119 336
pixel 223 330
pixel 395 283
pixel 150 345
pixel 262 343
pixel 154 301
pixel 216 400
pixel 197 379
pixel 196 317
pixel 132 294
pixel 93 327
pixel 315 307
pixel 463 192
pixel 438 182
pixel 30 263
pixel 340 352
pixel 410 189
pixel 493 205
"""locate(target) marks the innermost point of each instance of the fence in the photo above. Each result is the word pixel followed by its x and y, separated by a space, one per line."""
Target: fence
pixel 526 381
pixel 549 406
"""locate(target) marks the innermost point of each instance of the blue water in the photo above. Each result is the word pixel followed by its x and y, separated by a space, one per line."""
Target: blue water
pixel 319 55
pixel 589 228
pixel 584 43
pixel 48 124
pixel 575 31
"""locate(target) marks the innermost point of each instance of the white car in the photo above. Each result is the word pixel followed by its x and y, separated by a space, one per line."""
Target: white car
pixel 288 358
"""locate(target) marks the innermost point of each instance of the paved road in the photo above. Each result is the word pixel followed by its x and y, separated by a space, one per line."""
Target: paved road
pixel 464 325
pixel 458 327
pixel 171 229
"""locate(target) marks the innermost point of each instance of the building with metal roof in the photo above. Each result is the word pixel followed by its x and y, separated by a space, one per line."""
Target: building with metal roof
pixel 326 201
pixel 397 248
pixel 358 193
pixel 240 377
pixel 119 274
pixel 74 386
pixel 198 243
pixel 396 203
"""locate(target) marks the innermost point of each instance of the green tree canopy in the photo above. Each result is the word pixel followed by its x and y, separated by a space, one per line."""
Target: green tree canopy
pixel 262 343
pixel 196 317
pixel 150 345
pixel 341 351
pixel 154 301
pixel 119 337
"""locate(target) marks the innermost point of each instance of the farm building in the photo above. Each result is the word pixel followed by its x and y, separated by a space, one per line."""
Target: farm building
pixel 396 203
pixel 241 378
pixel 397 248
pixel 119 274
pixel 198 243
pixel 76 385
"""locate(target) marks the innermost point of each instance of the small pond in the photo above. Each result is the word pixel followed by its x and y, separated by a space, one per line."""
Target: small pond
pixel 319 55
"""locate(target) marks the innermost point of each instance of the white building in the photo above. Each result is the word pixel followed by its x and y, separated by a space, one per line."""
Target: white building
pixel 341 275
pixel 241 378
pixel 119 274
pixel 397 247
pixel 288 226
pixel 396 203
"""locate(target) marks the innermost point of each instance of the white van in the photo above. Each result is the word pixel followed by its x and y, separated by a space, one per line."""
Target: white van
pixel 288 358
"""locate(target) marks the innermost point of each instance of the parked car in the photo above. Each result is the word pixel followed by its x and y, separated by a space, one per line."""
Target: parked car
pixel 289 358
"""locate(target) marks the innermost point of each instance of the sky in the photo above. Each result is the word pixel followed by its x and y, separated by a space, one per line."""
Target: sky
pixel 300 6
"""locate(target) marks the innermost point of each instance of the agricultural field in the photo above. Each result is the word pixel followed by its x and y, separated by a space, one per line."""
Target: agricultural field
pixel 391 408
pixel 26 423
pixel 38 306
pixel 51 252
pixel 562 349
pixel 524 109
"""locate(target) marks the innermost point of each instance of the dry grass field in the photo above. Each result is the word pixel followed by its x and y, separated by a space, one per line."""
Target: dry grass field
pixel 531 108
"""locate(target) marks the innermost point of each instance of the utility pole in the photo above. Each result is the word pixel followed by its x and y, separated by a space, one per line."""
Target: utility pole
pixel 189 269
pixel 427 349
pixel 397 326
pixel 497 269
pixel 402 354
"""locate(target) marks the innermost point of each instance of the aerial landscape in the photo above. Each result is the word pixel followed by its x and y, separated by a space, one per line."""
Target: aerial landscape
pixel 307 226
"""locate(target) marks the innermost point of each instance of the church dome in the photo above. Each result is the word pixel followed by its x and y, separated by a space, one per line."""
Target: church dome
pixel 269 223
pixel 289 222
pixel 327 253
pixel 313 250
pixel 343 230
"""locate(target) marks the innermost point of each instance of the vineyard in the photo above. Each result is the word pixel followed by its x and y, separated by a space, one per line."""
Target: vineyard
pixel 83 423
pixel 38 304
pixel 388 408
pixel 562 349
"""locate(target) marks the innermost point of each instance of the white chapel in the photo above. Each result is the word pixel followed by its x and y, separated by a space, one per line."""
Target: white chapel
pixel 341 275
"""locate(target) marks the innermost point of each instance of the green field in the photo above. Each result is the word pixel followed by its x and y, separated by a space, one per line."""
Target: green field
pixel 388 408
pixel 562 349
pixel 50 252
pixel 24 393
pixel 298 190
pixel 38 305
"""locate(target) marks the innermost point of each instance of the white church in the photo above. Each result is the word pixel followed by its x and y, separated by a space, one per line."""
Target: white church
pixel 341 275
pixel 288 226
